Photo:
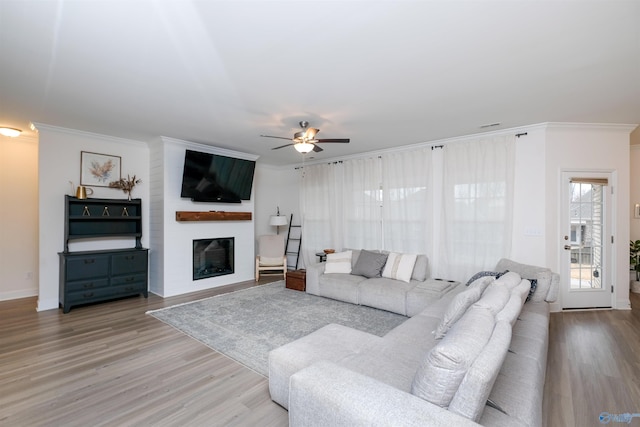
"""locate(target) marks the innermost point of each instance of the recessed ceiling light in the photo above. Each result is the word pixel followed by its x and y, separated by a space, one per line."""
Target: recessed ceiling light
pixel 10 132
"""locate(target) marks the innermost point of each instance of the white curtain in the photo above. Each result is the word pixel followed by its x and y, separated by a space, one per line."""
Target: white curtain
pixel 407 195
pixel 362 224
pixel 340 207
pixel 321 207
pixel 477 206
pixel 453 204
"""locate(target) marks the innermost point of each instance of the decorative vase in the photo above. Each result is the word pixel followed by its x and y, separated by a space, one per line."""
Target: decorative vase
pixel 635 287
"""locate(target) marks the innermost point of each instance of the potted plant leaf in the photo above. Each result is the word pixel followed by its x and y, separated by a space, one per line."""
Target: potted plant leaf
pixel 634 260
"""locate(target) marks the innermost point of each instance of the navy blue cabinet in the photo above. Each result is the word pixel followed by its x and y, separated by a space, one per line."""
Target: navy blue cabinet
pixel 95 276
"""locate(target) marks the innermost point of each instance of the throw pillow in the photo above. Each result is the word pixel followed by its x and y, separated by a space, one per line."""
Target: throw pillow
pixel 399 266
pixel 494 298
pixel 338 263
pixel 369 264
pixel 471 397
pixel 480 274
pixel 456 308
pixel 534 285
pixel 444 367
pixel 543 283
pixel 421 269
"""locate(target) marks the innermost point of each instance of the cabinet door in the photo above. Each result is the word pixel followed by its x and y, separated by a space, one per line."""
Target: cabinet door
pixel 87 266
pixel 129 262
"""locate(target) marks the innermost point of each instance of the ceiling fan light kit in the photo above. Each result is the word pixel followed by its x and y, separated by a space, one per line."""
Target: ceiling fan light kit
pixel 305 140
pixel 303 147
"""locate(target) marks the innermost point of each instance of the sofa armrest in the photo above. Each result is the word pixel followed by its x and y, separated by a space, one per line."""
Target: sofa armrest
pixel 328 394
pixel 314 271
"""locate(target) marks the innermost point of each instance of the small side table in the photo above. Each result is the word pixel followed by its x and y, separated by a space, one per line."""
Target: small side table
pixel 297 280
pixel 321 256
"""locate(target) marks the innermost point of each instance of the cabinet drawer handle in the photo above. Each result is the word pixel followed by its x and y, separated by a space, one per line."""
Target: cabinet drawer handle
pixel 128 288
pixel 130 257
pixel 88 285
pixel 89 261
pixel 88 295
pixel 130 279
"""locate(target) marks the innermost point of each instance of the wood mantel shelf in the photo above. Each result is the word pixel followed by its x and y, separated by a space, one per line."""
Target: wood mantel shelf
pixel 212 216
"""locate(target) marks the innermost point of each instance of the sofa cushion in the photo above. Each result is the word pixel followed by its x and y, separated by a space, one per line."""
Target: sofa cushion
pixel 510 280
pixel 340 286
pixel 369 264
pixel 442 370
pixel 425 294
pixel 518 390
pixel 471 397
pixel 385 294
pixel 421 269
pixel 524 270
pixel 458 306
pixel 543 280
pixel 331 342
pixel 511 310
pixel 552 295
pixel 339 262
pixel 494 298
pixel 399 266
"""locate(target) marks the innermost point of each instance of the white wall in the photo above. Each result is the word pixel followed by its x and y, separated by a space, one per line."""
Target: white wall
pixel 635 183
pixel 172 253
pixel 18 217
pixel 59 162
pixel 276 187
pixel 592 148
pixel 529 218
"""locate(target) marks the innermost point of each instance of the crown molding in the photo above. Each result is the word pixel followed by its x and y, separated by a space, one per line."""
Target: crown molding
pixel 623 127
pixel 45 127
pixel 209 148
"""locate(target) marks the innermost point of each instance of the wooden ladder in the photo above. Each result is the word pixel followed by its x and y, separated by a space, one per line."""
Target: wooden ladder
pixel 294 244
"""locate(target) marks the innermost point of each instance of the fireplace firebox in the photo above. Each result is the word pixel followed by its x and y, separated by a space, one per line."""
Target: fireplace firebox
pixel 212 257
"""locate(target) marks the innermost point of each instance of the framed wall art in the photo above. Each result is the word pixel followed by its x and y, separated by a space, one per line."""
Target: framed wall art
pixel 98 170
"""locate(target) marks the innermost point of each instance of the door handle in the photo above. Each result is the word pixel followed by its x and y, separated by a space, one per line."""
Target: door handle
pixel 567 247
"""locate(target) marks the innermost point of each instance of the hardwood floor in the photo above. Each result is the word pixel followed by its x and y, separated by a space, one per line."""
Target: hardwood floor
pixel 593 366
pixel 110 364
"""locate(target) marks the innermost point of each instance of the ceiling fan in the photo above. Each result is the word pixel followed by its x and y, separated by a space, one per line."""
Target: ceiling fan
pixel 305 140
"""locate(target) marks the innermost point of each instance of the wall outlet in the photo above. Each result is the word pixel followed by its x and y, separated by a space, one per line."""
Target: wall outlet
pixel 29 275
pixel 533 231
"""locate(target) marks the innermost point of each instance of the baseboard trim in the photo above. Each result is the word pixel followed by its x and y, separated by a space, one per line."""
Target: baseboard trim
pixel 23 293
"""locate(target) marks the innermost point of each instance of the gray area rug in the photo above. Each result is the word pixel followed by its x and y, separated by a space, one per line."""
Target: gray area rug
pixel 246 325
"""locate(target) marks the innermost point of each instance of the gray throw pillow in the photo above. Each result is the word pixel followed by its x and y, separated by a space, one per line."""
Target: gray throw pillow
pixel 369 264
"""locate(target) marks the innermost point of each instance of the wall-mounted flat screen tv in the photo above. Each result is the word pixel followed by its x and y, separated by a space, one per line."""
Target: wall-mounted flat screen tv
pixel 214 178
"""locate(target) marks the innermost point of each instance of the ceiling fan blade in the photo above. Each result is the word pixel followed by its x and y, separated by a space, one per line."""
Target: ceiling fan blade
pixel 342 140
pixel 317 149
pixel 282 146
pixel 278 137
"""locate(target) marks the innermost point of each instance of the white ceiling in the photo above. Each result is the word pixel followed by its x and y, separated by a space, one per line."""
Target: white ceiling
pixel 383 73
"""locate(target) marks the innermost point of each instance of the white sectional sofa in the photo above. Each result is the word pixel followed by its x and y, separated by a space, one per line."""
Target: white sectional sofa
pixel 476 356
pixel 363 286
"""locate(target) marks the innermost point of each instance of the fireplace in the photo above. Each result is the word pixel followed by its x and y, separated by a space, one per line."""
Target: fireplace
pixel 212 257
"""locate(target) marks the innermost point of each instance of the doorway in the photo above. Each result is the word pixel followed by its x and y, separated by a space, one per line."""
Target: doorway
pixel 587 240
